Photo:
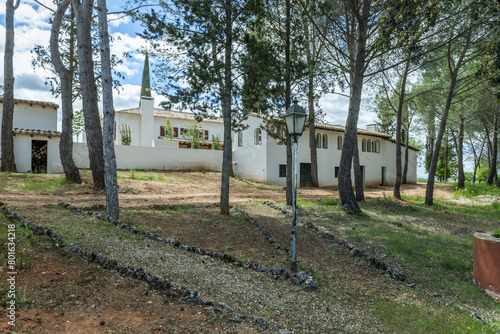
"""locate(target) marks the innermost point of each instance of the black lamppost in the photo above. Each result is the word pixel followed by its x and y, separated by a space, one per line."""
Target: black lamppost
pixel 295 118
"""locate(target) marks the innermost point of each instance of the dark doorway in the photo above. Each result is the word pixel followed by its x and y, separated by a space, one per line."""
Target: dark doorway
pixel 305 175
pixel 383 177
pixel 39 156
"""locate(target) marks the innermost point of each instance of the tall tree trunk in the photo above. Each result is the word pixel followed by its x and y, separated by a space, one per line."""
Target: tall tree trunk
pixel 475 159
pixel 429 193
pixel 288 93
pixel 226 112
pixel 431 138
pixel 8 163
pixel 112 205
pixel 494 152
pixel 358 175
pixel 66 79
pixel 83 11
pixel 460 154
pixel 399 116
pixel 346 191
pixel 407 150
pixel 310 100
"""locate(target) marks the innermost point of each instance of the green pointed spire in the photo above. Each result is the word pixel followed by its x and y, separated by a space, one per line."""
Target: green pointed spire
pixel 146 85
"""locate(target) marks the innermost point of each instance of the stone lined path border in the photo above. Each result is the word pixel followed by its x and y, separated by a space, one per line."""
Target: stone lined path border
pixel 303 278
pixel 161 285
pixel 361 253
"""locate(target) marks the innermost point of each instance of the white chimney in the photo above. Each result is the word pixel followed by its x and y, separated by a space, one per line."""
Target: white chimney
pixel 147 121
pixel 372 127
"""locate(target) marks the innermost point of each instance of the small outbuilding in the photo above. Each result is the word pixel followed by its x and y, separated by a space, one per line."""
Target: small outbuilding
pixel 36 139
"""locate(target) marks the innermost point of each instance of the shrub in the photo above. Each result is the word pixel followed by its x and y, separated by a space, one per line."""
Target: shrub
pixel 126 137
pixel 216 145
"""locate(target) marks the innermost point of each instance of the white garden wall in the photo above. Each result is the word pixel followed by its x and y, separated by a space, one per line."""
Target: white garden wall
pixel 140 157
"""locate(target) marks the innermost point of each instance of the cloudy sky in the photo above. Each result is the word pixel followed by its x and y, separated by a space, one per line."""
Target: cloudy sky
pixel 32 27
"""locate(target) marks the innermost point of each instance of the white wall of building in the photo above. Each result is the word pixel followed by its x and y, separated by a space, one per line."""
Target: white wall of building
pixel 134 122
pixel 249 160
pixel 261 163
pixel 140 157
pixel 33 116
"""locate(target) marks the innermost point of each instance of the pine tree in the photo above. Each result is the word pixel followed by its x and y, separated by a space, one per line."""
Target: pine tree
pixel 146 81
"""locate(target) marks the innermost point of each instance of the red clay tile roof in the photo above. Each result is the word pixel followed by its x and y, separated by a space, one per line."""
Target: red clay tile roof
pixel 33 132
pixel 31 103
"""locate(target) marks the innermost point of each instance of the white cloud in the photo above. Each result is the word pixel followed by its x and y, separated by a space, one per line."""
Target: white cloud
pixel 126 43
pixel 336 107
pixel 128 96
pixel 115 20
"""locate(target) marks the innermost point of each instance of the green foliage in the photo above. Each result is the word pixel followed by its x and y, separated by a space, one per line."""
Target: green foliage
pixel 443 320
pixel 482 174
pixel 125 134
pixel 476 189
pixel 216 144
pixel 447 163
pixel 78 123
pixel 169 131
pixel 496 233
pixel 195 134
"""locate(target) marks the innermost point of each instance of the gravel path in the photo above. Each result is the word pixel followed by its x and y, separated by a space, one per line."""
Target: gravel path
pixel 250 293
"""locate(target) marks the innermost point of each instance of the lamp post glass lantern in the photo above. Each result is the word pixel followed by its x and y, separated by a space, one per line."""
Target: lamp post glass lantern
pixel 295 119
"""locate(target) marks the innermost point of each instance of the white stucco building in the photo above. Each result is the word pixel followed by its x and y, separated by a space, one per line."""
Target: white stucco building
pixel 256 155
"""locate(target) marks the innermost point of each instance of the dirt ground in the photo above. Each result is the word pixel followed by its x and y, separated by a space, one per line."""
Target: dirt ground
pixel 204 187
pixel 64 294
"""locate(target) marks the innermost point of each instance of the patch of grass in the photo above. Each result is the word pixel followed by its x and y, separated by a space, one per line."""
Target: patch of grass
pixel 256 187
pixel 472 190
pixel 489 211
pixel 22 296
pixel 42 186
pixel 415 318
pixel 141 176
pixel 435 259
pixel 227 248
pixel 17 175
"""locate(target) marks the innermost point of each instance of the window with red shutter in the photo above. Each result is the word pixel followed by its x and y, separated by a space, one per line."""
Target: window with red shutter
pixel 162 131
pixel 176 132
pixel 206 134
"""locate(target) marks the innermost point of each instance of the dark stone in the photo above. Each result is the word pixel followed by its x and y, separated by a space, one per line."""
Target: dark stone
pixel 194 297
pixel 277 272
pixel 358 252
pixel 284 331
pixel 261 323
pixel 247 265
pixel 298 278
pixel 237 317
pixel 310 284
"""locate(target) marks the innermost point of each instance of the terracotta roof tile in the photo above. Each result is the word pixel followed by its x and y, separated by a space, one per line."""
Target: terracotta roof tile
pixel 34 132
pixel 31 103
